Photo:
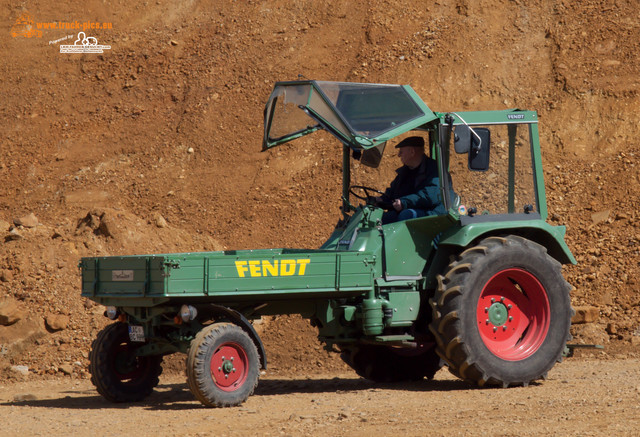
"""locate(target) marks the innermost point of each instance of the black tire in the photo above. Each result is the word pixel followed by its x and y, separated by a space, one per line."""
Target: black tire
pixel 118 375
pixel 501 313
pixel 223 365
pixel 389 364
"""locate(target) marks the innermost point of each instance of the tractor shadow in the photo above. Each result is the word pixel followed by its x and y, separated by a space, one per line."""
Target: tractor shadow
pixel 176 397
pixel 269 387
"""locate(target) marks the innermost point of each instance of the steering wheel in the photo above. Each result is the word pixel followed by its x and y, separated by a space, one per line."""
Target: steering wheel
pixel 368 191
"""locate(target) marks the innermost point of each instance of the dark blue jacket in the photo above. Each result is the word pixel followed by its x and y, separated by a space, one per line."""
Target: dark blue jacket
pixel 425 189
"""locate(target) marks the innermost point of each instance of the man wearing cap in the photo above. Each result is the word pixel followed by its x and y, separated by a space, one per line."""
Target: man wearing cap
pixel 415 192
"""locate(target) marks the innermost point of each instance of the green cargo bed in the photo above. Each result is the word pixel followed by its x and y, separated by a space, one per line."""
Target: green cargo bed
pixel 269 274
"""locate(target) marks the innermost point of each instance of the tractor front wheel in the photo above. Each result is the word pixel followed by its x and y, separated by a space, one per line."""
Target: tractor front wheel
pixel 222 365
pixel 501 313
pixel 118 374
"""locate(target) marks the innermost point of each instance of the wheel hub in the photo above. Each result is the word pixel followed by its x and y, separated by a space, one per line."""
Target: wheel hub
pixel 227 366
pixel 498 313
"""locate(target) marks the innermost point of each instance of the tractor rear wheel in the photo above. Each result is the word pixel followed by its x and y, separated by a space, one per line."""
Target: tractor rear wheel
pixel 501 313
pixel 222 365
pixel 389 364
pixel 118 374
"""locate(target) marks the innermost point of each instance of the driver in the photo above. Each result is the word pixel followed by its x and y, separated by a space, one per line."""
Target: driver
pixel 415 190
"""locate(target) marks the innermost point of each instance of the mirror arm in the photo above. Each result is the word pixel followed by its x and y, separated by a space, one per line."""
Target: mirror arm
pixel 479 146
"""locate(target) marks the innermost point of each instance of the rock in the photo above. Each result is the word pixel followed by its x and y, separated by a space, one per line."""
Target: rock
pixel 585 314
pixel 190 150
pixel 10 312
pixel 589 333
pixel 20 336
pixel 106 227
pixel 174 42
pixel 159 221
pixel 611 329
pixel 621 216
pixel 23 370
pixel 6 276
pixel 99 222
pixel 28 221
pixel 599 217
pixel 13 235
pixel 57 322
pixel 66 368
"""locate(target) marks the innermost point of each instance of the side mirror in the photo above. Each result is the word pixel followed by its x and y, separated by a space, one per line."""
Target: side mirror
pixel 479 150
pixel 462 139
pixel 372 157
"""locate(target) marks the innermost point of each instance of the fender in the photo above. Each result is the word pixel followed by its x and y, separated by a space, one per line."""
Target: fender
pixel 240 320
pixel 534 229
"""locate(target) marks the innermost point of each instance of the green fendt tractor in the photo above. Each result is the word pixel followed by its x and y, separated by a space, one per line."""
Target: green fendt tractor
pixel 478 289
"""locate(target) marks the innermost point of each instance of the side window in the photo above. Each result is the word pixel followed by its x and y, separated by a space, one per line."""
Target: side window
pixel 489 191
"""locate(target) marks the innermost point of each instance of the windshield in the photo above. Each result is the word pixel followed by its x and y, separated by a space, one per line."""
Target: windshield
pixel 371 109
pixel 286 116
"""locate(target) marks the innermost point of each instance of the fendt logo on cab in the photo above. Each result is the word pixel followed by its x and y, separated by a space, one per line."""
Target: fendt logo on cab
pixel 283 267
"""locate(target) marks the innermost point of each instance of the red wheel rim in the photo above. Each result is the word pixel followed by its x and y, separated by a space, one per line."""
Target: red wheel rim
pixel 513 314
pixel 229 364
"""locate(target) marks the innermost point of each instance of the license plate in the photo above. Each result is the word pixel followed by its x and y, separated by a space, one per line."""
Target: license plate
pixel 136 333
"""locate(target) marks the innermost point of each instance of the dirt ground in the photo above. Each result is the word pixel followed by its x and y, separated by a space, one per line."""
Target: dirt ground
pixel 154 146
pixel 585 397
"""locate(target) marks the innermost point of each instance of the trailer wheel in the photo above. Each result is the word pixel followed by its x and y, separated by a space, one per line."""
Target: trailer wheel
pixel 389 364
pixel 501 313
pixel 116 372
pixel 222 365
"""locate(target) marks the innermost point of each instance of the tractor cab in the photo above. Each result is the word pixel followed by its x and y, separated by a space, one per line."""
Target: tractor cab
pixel 489 164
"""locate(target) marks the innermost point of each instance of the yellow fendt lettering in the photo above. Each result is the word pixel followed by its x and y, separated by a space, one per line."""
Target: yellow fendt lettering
pixel 269 269
pixel 284 267
pixel 241 266
pixel 254 268
pixel 287 267
pixel 303 266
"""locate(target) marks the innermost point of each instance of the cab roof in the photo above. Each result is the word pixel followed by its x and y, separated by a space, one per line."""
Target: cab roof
pixel 362 115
